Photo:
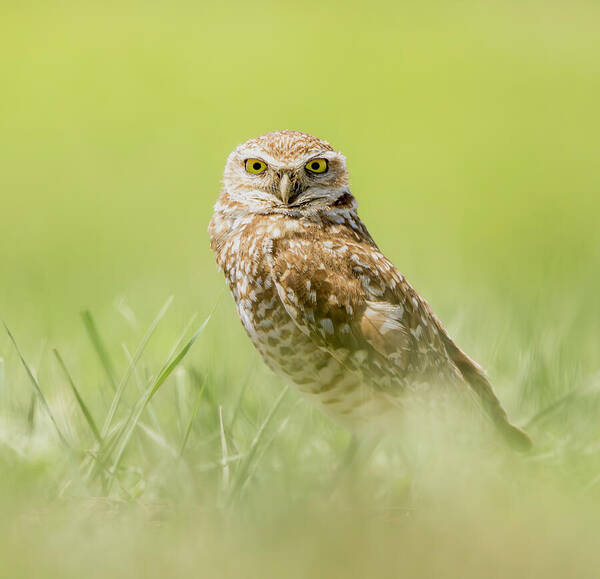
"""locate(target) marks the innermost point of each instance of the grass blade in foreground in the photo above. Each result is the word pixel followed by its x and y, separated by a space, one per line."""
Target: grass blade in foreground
pixel 243 470
pixel 92 330
pixel 263 451
pixel 188 430
pixel 36 387
pixel 240 399
pixel 129 427
pixel 125 379
pixel 84 409
pixel 224 451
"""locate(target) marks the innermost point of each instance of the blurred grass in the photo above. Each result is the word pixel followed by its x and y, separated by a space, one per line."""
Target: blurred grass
pixel 472 134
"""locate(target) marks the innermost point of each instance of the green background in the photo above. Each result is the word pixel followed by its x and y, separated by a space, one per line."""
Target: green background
pixel 472 135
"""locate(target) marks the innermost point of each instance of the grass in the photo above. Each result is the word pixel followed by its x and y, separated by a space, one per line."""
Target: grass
pixel 242 479
pixel 194 472
pixel 134 444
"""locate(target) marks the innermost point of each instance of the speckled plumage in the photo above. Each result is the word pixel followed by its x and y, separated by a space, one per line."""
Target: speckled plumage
pixel 319 300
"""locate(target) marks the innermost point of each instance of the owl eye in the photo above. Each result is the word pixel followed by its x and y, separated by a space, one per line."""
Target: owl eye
pixel 316 166
pixel 255 166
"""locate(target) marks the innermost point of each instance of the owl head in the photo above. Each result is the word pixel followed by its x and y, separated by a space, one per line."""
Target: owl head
pixel 285 171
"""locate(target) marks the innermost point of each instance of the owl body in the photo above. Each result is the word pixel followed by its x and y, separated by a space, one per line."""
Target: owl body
pixel 319 300
pixel 282 269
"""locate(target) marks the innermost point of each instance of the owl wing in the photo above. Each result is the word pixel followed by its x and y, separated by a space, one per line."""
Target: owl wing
pixel 357 306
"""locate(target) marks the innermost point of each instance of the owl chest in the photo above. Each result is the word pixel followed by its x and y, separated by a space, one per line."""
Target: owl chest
pixel 261 312
pixel 283 346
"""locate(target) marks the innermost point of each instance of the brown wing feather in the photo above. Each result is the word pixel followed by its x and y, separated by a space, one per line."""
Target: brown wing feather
pixel 354 303
pixel 351 300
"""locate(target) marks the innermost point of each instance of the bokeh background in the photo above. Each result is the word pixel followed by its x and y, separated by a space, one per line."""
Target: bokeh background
pixel 472 134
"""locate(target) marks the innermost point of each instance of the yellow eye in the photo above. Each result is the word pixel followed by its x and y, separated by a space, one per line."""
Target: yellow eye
pixel 316 166
pixel 255 166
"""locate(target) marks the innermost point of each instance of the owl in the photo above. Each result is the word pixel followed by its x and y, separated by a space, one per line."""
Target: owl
pixel 321 303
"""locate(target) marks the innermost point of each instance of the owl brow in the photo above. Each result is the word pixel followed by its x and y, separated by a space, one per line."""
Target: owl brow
pixel 266 159
pixel 322 155
pixel 247 158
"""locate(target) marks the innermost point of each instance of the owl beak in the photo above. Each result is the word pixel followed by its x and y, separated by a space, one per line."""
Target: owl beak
pixel 285 187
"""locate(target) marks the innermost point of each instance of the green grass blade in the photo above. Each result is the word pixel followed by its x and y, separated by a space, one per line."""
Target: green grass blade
pixel 31 411
pixel 240 399
pixel 140 386
pixel 188 429
pixel 158 438
pixel 244 467
pixel 166 371
pixel 151 391
pixel 263 450
pixel 125 379
pixel 182 336
pixel 36 387
pixel 108 444
pixel 82 405
pixel 224 452
pixel 94 335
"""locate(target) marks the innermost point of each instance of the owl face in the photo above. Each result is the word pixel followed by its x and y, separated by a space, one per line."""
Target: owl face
pixel 283 171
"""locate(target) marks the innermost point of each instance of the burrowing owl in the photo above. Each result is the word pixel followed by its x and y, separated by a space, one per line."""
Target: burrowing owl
pixel 318 299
